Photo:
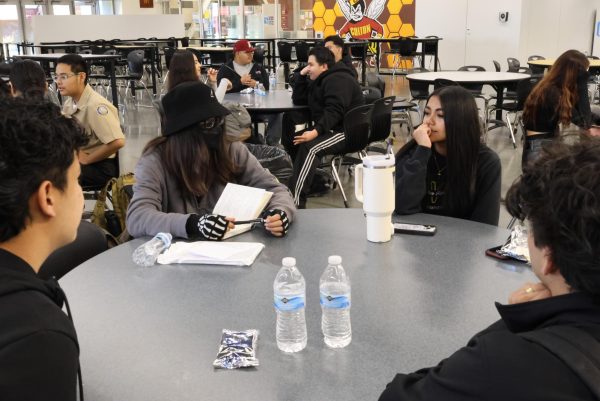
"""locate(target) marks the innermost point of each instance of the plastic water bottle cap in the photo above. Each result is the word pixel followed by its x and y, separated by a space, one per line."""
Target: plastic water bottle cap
pixel 165 238
pixel 288 262
pixel 334 260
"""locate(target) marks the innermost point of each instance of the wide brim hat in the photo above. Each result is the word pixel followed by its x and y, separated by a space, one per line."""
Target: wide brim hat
pixel 188 104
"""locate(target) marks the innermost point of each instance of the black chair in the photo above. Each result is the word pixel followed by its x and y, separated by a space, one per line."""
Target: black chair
pixel 284 50
pixel 381 122
pixel 302 49
pixel 419 92
pixel 515 107
pixel 185 41
pixel 536 69
pixel 429 49
pixel 357 131
pixel 441 82
pixel 403 49
pixel 475 89
pixel 513 64
pixel 168 52
pixel 90 242
pixel 497 66
pixel 371 94
pixel 259 54
pixel 135 73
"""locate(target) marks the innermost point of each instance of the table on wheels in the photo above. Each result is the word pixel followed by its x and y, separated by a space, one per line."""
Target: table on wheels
pixel 153 333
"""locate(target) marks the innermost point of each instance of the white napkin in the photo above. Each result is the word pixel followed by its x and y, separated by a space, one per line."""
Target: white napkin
pixel 212 253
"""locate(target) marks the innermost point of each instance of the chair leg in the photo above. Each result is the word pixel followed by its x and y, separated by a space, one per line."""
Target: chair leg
pixel 510 130
pixel 336 177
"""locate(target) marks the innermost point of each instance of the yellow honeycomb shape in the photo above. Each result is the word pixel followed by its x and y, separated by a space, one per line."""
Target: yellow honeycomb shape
pixel 407 1
pixel 394 23
pixel 394 6
pixel 329 30
pixel 329 17
pixel 386 31
pixel 319 9
pixel 407 30
pixel 337 10
pixel 319 25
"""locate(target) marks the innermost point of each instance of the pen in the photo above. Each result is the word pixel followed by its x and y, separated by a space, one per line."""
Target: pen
pixel 261 221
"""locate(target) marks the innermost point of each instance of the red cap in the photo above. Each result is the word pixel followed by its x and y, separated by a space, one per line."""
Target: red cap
pixel 242 46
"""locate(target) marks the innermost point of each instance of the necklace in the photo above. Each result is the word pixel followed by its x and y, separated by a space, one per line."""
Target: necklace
pixel 437 166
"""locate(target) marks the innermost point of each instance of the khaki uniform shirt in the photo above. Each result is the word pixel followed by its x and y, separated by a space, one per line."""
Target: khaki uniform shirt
pixel 98 116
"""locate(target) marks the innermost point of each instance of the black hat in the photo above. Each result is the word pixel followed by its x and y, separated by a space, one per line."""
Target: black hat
pixel 189 103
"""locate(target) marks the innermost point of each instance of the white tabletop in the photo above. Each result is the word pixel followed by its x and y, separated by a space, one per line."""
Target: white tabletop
pixel 210 48
pixel 56 56
pixel 153 333
pixel 547 62
pixel 468 76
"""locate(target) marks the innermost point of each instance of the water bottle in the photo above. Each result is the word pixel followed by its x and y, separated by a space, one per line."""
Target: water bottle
pixel 289 289
pixel 146 254
pixel 260 89
pixel 334 287
pixel 272 81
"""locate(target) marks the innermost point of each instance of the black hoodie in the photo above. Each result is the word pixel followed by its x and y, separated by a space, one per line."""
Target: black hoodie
pixel 329 97
pixel 38 345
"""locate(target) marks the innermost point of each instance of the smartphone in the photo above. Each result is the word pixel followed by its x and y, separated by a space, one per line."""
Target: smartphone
pixel 416 229
pixel 493 252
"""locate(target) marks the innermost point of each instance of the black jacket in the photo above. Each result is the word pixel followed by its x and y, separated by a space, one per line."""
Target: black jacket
pixel 329 97
pixel 257 72
pixel 38 345
pixel 546 117
pixel 498 364
pixel 412 165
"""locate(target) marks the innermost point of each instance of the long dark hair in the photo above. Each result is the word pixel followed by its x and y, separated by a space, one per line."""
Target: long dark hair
pixel 195 166
pixel 182 68
pixel 463 141
pixel 563 75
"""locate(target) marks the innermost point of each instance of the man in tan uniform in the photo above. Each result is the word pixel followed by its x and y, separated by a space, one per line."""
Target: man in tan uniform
pixel 97 115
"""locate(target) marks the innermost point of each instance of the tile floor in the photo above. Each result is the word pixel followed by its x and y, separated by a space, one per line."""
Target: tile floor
pixel 141 124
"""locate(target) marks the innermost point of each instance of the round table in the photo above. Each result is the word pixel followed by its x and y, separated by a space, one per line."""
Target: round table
pixel 548 62
pixel 153 333
pixel 497 80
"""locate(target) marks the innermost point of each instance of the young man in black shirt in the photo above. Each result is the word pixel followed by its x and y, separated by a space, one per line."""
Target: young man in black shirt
pixel 40 209
pixel 330 91
pixel 558 195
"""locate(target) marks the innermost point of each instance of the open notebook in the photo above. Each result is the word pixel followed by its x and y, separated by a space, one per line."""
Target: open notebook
pixel 243 203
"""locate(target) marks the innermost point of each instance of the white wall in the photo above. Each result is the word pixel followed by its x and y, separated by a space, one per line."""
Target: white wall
pixel 557 26
pixel 58 28
pixel 473 34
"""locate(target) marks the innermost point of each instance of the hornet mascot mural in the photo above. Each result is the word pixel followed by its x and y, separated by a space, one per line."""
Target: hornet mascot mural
pixel 361 24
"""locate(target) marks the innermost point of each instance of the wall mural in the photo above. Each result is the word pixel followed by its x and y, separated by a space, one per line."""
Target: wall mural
pixel 363 19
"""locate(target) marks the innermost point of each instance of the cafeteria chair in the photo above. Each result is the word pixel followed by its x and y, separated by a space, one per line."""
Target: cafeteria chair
pixel 90 241
pixel 381 124
pixel 168 52
pixel 284 50
pixel 497 66
pixel 135 74
pixel 401 114
pixel 376 81
pixel 371 94
pixel 357 130
pixel 536 69
pixel 429 49
pixel 302 50
pixel 442 82
pixel 419 93
pixel 475 89
pixel 259 54
pixel 514 107
pixel 403 49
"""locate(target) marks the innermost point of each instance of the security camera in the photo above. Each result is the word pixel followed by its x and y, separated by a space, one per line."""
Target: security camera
pixel 503 16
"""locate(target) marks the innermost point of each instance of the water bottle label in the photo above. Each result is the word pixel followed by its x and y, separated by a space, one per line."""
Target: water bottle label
pixel 288 304
pixel 339 302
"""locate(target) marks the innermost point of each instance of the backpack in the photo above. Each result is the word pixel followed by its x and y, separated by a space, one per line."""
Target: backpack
pixel 237 124
pixel 119 191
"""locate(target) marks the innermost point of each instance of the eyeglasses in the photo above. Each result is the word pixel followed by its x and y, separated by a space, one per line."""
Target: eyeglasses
pixel 64 77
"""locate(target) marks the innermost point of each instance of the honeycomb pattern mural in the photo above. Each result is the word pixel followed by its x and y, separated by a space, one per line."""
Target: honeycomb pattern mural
pixel 377 18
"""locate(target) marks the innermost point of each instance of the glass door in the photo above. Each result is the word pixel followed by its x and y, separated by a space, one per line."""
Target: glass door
pixel 30 9
pixel 84 7
pixel 61 7
pixel 231 19
pixel 11 30
pixel 211 24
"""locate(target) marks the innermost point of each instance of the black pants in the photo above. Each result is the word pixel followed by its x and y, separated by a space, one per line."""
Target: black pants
pixel 307 157
pixel 97 174
pixel 288 127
